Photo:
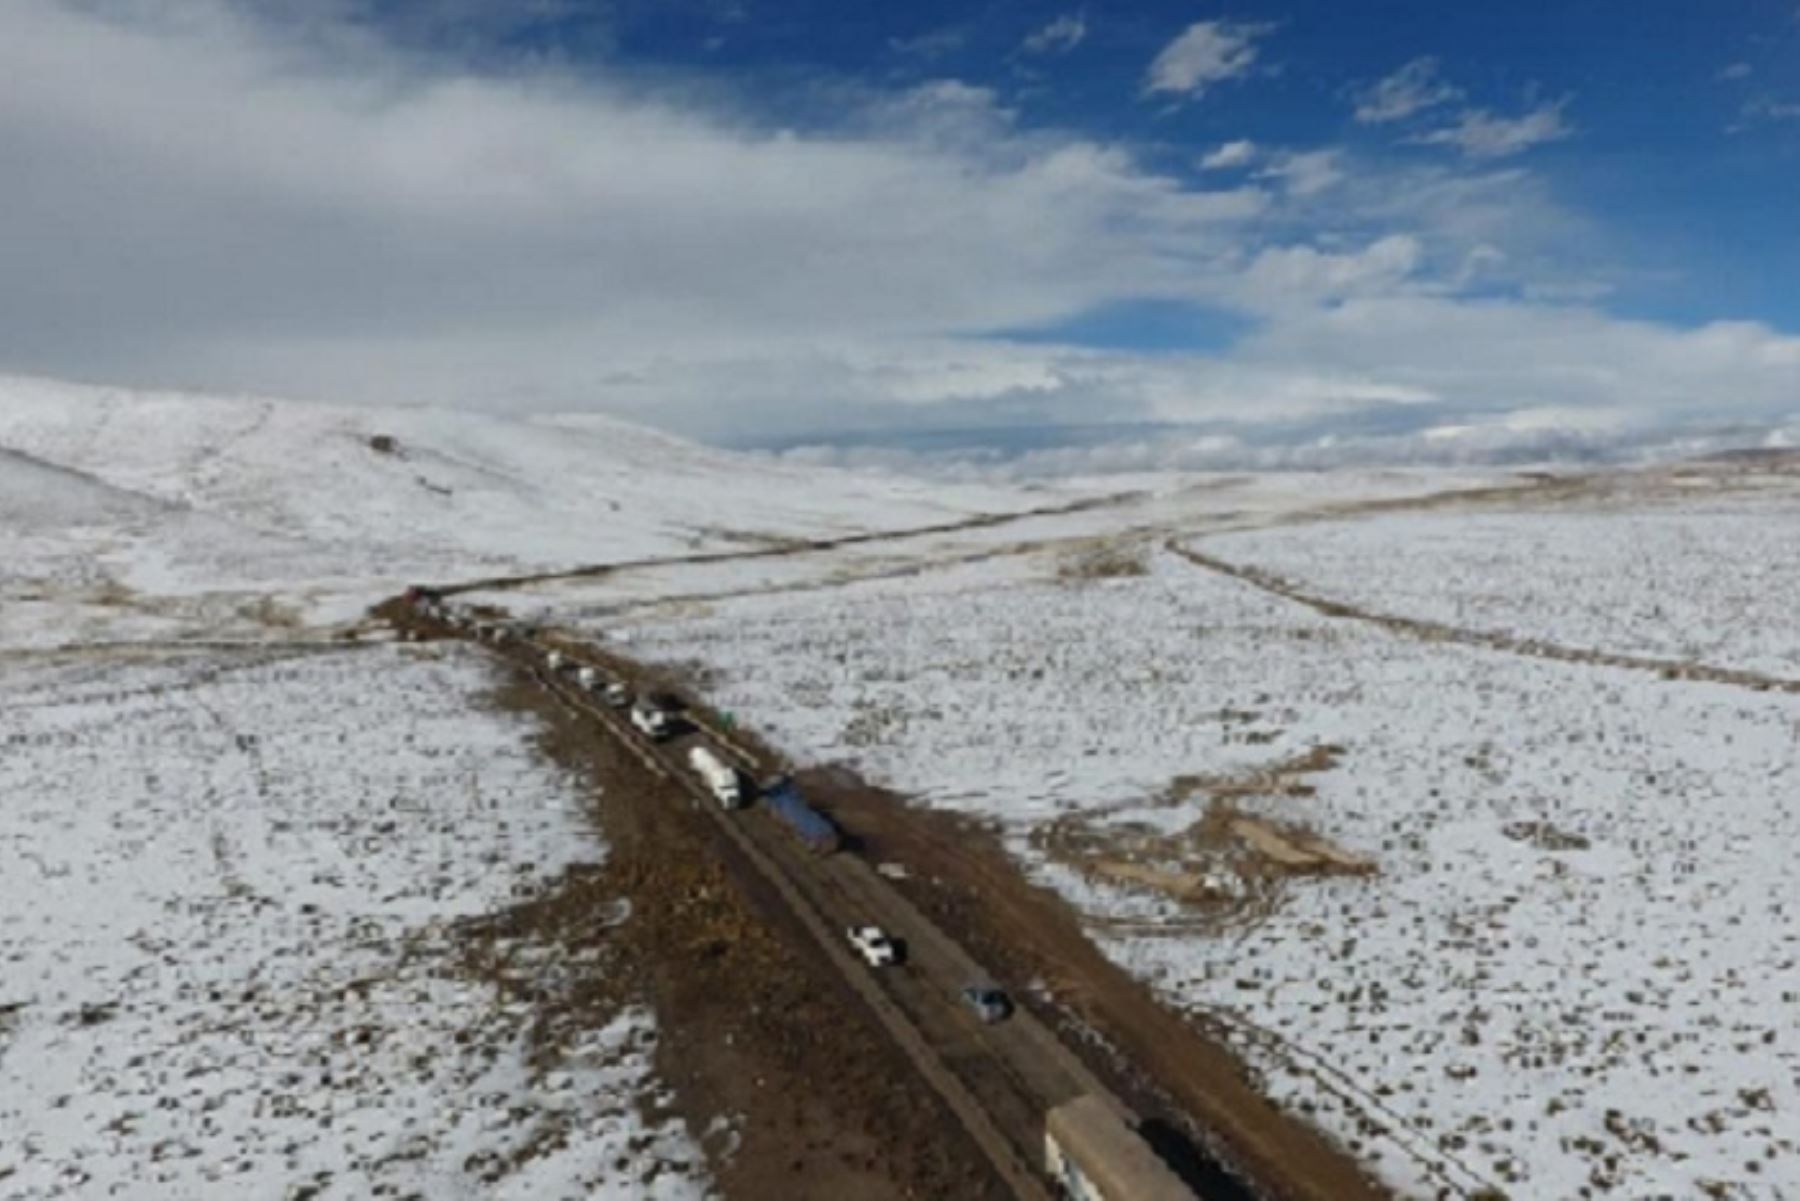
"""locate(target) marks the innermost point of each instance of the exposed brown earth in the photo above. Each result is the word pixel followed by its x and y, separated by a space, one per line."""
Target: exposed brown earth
pixel 1174 1070
pixel 777 1072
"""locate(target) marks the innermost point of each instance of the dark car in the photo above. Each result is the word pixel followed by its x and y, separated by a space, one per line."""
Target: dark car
pixel 990 1004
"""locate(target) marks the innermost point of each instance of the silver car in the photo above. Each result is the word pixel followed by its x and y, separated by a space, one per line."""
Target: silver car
pixel 989 1003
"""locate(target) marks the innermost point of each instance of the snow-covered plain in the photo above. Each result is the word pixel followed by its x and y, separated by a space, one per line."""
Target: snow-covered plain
pixel 226 921
pixel 1577 969
pixel 1681 577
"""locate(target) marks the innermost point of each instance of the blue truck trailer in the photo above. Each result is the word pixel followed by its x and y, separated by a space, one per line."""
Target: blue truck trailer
pixel 808 824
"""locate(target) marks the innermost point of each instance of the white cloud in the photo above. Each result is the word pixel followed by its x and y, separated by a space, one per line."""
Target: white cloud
pixel 1478 133
pixel 1058 37
pixel 930 45
pixel 1205 53
pixel 1414 88
pixel 1306 173
pixel 1408 90
pixel 1287 277
pixel 1230 154
pixel 1736 71
pixel 1767 108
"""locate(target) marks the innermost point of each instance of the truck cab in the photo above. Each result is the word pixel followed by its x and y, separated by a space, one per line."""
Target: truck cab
pixel 651 719
pixel 874 945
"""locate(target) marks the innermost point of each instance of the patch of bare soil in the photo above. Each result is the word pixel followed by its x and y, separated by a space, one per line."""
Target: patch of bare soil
pixel 1174 1070
pixel 1546 836
pixel 1110 560
pixel 1227 867
pixel 788 1085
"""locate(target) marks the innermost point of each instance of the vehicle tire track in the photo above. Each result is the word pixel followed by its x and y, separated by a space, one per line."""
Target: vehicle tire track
pixel 786 549
pixel 1426 630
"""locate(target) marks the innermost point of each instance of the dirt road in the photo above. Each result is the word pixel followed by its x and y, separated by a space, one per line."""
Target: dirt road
pixel 791 546
pixel 966 915
pixel 1495 640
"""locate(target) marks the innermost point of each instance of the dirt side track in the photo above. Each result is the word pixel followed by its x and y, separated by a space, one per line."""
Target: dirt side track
pixel 1092 1029
pixel 789 547
pixel 1494 640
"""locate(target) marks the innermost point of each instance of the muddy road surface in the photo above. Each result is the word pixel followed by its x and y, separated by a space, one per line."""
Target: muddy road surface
pixel 897 1050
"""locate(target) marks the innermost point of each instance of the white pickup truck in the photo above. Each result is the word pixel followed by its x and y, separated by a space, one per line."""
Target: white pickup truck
pixel 873 944
pixel 720 778
pixel 651 719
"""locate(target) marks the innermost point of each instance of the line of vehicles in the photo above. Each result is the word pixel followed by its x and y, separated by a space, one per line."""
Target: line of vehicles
pixel 1091 1150
pixel 656 718
pixel 729 786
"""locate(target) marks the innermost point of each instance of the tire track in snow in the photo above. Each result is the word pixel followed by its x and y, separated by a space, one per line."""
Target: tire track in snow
pixel 796 547
pixel 1495 640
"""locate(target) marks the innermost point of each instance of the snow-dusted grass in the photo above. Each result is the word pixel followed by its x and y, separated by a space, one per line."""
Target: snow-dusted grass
pixel 1577 971
pixel 226 959
pixel 1711 582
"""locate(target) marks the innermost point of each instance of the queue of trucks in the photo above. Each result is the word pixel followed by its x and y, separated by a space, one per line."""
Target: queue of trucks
pixel 657 722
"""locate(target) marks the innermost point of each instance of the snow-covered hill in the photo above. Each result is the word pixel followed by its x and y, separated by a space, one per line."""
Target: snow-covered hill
pixel 181 495
pixel 42 497
pixel 519 491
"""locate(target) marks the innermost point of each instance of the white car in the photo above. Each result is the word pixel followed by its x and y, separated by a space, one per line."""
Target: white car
pixel 615 694
pixel 873 944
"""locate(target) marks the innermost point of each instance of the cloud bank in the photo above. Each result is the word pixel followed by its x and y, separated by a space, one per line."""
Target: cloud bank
pixel 200 197
pixel 1058 37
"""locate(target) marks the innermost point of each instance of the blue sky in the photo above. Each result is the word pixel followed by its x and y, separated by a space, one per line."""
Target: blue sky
pixel 1665 100
pixel 1478 229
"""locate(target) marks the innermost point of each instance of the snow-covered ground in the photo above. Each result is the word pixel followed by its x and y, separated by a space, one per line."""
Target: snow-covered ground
pixel 228 873
pixel 1140 508
pixel 1576 970
pixel 226 910
pixel 1696 580
pixel 189 499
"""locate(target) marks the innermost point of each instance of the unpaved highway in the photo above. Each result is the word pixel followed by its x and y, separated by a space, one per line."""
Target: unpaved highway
pixel 998 1080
